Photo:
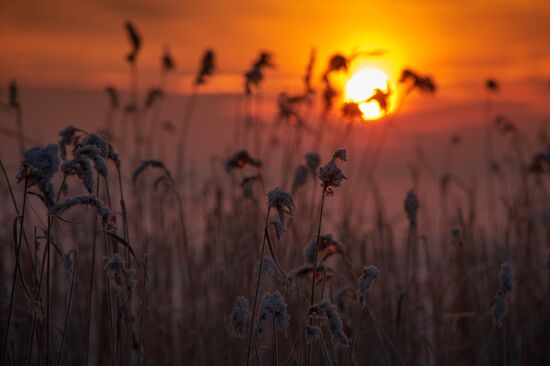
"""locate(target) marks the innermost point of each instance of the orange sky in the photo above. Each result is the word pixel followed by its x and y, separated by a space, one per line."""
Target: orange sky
pixel 82 44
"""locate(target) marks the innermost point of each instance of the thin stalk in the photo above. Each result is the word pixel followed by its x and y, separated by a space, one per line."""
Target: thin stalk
pixel 48 305
pixel 14 279
pixel 143 309
pixel 291 349
pixel 91 284
pixel 379 337
pixel 381 331
pixel 67 313
pixel 257 291
pixel 354 337
pixel 275 344
pixel 313 282
pixel 184 134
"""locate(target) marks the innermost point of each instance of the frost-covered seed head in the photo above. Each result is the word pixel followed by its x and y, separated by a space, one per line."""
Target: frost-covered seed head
pixel 312 161
pixel 273 304
pixel 327 247
pixel 330 174
pixel 239 160
pixel 312 333
pixel 340 154
pixel 334 321
pixel 282 202
pixel 411 206
pixel 365 282
pixel 115 264
pixel 300 177
pixel 240 317
pixel 39 167
pixel 103 211
pixel 506 278
pixel 500 309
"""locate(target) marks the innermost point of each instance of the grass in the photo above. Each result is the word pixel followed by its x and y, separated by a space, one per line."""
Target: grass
pixel 161 258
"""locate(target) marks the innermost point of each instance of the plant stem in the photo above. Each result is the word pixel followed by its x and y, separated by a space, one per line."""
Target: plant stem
pixel 313 282
pixel 67 313
pixel 257 291
pixel 354 337
pixel 14 279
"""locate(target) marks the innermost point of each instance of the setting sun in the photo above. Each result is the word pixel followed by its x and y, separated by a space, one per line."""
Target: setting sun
pixel 370 88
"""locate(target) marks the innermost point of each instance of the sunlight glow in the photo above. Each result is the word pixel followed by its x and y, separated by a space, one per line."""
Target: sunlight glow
pixel 362 85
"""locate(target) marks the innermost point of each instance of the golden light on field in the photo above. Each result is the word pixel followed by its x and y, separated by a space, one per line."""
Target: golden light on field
pixel 369 87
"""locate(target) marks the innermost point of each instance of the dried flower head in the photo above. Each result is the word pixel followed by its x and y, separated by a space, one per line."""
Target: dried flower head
pixel 102 211
pixel 207 67
pixel 337 62
pixel 275 305
pixel 350 111
pixel 247 186
pixel 135 40
pixel 365 282
pixel 154 95
pixel 313 161
pixel 382 98
pixel 331 175
pixel 492 85
pixel 500 309
pixel 334 321
pixel 115 264
pixel 312 333
pixel 167 60
pixel 39 167
pixel 300 177
pixel 240 317
pixel 327 247
pixel 422 83
pixel 239 160
pixel 255 75
pixel 281 201
pixel 411 206
pixel 289 108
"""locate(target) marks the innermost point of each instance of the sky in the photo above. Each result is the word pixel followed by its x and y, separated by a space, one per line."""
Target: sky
pixel 68 43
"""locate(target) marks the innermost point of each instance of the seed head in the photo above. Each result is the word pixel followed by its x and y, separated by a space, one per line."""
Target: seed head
pixel 411 206
pixel 312 333
pixel 334 321
pixel 39 167
pixel 273 304
pixel 240 317
pixel 365 282
pixel 239 160
pixel 331 175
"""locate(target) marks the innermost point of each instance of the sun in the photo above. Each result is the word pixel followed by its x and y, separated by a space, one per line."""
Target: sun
pixel 363 85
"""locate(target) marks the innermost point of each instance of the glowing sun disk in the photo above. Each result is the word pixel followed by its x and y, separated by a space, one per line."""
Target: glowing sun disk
pixel 361 86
